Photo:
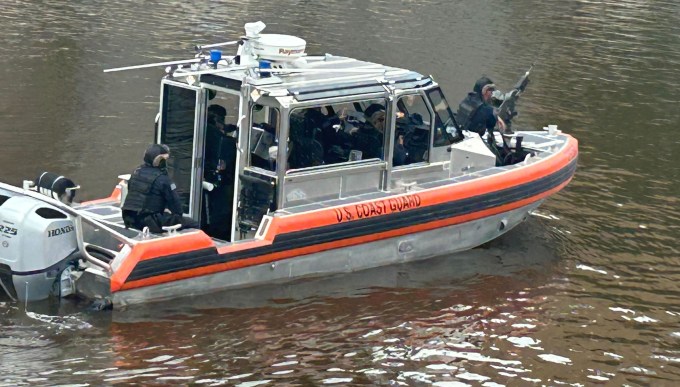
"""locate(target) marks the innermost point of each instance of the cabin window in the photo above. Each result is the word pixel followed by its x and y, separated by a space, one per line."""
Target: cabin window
pixel 337 133
pixel 444 129
pixel 264 137
pixel 412 140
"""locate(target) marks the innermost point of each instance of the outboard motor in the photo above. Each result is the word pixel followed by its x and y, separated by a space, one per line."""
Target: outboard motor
pixel 38 247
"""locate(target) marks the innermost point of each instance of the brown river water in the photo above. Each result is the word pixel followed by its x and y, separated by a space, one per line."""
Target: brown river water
pixel 585 292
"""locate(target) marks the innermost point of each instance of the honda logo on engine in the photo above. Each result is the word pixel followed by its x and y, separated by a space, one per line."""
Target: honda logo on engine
pixel 59 231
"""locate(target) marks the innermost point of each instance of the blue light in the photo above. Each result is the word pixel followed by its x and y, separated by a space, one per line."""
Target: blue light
pixel 215 56
pixel 265 65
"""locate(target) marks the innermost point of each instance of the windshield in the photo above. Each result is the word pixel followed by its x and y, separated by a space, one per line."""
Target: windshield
pixel 444 121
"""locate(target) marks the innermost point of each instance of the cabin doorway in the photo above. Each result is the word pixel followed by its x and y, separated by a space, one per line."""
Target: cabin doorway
pixel 220 163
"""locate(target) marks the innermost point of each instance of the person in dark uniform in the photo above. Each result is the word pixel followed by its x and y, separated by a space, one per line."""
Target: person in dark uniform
pixel 219 170
pixel 370 136
pixel 304 148
pixel 151 192
pixel 220 144
pixel 336 142
pixel 475 113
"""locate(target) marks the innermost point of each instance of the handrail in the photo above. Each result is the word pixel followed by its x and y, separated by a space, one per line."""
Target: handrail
pixel 355 164
pixel 83 249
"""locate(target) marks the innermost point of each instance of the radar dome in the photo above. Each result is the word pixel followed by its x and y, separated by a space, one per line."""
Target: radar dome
pixel 279 48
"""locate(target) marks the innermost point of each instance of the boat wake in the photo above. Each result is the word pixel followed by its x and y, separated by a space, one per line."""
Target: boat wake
pixel 71 323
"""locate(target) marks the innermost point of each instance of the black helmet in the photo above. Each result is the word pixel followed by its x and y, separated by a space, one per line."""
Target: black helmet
pixel 156 154
pixel 481 82
pixel 372 109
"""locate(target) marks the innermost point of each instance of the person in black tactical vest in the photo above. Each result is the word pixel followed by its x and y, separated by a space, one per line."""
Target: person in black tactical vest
pixel 475 113
pixel 151 192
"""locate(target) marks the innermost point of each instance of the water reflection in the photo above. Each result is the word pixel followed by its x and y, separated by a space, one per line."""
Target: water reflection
pixel 400 320
pixel 390 323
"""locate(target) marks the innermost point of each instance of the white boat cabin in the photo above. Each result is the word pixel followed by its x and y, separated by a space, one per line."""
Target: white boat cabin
pixel 298 136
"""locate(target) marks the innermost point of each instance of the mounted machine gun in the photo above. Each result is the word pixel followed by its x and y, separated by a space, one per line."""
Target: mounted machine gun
pixel 505 102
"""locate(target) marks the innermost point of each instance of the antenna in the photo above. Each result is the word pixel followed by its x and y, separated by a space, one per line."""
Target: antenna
pixel 322 71
pixel 159 64
pixel 206 46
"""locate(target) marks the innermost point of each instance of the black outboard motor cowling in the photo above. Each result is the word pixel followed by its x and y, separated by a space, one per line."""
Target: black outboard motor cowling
pixel 56 186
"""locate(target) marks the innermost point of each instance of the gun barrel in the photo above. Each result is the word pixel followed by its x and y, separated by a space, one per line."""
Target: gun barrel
pixel 524 80
pixel 507 109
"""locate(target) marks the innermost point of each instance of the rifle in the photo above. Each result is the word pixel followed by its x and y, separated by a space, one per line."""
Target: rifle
pixel 506 110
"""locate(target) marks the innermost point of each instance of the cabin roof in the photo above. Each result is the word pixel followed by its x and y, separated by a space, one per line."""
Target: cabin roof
pixel 318 77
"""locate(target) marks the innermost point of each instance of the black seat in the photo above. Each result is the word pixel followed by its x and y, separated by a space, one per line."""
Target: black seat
pixel 305 152
pixel 512 155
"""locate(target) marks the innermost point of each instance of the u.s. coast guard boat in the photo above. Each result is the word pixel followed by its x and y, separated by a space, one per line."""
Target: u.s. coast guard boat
pixel 300 188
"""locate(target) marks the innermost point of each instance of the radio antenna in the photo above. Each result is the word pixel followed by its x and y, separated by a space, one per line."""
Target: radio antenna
pixel 159 64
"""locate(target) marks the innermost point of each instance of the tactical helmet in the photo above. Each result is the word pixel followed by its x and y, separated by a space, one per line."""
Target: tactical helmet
pixel 372 109
pixel 156 154
pixel 481 82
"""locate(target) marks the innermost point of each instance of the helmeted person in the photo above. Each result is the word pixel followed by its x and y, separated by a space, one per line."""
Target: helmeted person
pixel 151 192
pixel 370 136
pixel 475 113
